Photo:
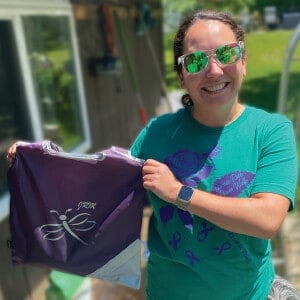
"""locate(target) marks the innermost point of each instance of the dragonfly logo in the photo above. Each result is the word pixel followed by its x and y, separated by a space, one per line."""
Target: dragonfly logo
pixel 80 222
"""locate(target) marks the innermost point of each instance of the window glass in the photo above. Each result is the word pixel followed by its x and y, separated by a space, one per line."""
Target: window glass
pixel 49 47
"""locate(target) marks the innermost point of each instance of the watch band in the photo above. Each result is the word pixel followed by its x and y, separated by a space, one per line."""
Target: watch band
pixel 184 197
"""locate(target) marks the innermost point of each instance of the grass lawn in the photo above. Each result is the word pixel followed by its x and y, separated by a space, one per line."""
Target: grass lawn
pixel 265 59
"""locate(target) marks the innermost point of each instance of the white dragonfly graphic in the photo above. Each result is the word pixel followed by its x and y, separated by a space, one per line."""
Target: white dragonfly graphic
pixel 80 222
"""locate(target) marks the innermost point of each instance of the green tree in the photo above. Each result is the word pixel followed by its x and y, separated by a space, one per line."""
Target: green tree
pixel 185 7
pixel 233 6
pixel 282 6
pixel 182 7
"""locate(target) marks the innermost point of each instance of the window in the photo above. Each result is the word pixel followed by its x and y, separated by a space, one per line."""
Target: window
pixel 41 89
pixel 51 59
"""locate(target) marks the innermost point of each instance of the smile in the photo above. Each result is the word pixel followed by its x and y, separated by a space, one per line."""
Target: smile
pixel 215 88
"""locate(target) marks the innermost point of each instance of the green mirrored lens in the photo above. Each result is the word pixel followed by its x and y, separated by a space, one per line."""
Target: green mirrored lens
pixel 195 62
pixel 228 54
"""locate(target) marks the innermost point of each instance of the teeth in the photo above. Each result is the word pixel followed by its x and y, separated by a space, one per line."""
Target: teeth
pixel 215 87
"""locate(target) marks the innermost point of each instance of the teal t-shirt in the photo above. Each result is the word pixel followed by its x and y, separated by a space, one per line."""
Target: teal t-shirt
pixel 191 258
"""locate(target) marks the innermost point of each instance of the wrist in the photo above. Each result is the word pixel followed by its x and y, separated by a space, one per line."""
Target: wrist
pixel 175 192
pixel 184 197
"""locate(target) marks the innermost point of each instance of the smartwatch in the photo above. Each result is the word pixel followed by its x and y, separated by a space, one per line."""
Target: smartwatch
pixel 184 197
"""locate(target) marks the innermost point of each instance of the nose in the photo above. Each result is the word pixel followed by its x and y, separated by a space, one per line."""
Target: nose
pixel 214 67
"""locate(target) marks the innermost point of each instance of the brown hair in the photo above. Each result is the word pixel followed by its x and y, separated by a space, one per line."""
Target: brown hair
pixel 187 23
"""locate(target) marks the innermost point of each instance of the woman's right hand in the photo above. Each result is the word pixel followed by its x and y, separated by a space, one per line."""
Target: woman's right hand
pixel 11 152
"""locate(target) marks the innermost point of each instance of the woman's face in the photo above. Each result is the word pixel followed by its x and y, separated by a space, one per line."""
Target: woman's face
pixel 217 84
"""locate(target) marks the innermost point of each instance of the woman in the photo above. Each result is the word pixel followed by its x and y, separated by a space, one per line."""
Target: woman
pixel 220 175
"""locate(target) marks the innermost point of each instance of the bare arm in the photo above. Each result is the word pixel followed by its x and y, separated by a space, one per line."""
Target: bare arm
pixel 260 215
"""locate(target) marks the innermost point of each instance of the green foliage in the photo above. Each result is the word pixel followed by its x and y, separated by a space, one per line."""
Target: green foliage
pixel 55 87
pixel 46 33
pixel 287 5
pixel 233 6
pixel 265 56
pixel 186 7
pixel 180 6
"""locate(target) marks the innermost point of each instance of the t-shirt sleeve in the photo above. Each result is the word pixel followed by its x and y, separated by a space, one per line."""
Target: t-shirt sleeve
pixel 277 168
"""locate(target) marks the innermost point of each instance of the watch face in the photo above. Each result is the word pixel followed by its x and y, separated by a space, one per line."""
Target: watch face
pixel 185 193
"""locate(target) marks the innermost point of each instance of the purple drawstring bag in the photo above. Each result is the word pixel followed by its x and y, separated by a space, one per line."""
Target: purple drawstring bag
pixel 77 213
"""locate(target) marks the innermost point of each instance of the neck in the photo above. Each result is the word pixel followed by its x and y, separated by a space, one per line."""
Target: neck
pixel 217 118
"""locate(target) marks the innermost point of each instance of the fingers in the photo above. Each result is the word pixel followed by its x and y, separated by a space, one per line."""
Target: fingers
pixel 151 171
pixel 11 152
pixel 152 165
pixel 158 178
pixel 152 162
pixel 155 173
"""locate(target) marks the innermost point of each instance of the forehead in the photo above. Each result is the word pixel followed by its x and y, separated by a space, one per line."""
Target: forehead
pixel 208 34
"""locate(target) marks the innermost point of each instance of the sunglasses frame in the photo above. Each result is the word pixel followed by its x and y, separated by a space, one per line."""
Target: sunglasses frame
pixel 209 53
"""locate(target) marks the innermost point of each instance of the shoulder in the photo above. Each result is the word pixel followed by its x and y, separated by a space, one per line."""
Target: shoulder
pixel 273 130
pixel 156 130
pixel 166 123
pixel 262 116
pixel 269 128
pixel 267 121
pixel 168 118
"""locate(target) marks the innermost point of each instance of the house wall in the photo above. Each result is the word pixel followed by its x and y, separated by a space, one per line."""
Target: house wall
pixel 112 100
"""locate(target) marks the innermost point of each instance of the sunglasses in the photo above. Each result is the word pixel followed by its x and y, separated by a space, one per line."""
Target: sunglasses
pixel 226 54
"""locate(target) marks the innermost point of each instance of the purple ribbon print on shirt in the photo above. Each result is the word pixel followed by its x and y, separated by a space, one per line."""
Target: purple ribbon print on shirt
pixel 191 168
pixel 174 242
pixel 225 246
pixel 191 257
pixel 202 234
pixel 166 214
